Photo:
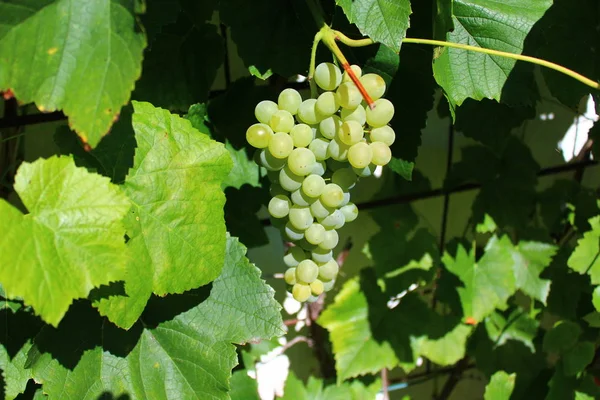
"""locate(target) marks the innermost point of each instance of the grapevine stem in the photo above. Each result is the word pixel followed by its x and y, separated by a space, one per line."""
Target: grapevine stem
pixel 519 57
pixel 313 61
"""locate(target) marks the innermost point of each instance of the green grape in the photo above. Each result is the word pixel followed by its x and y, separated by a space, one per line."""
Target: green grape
pixel 301 292
pixel 259 135
pixel 279 206
pixel 328 271
pixel 264 110
pixel 332 195
pixel 366 171
pixel 305 245
pixel 341 223
pixel 358 114
pixel 351 132
pixel 300 198
pixel 329 126
pixel 349 96
pixel 350 212
pixel 319 168
pixel 313 185
pixel 333 220
pixel 307 112
pixel 289 100
pixel 344 178
pixel 282 121
pixel 374 84
pixel 326 104
pixel 357 71
pixel 293 256
pixel 382 113
pixel 314 234
pixel 321 256
pixel 302 135
pixel 281 145
pixel 290 276
pixel 384 134
pixel 301 161
pixel 338 150
pixel 307 271
pixel 292 233
pixel 327 286
pixel 319 148
pixel 327 76
pixel 273 177
pixel 346 199
pixel 288 180
pixel 317 287
pixel 320 211
pixel 330 239
pixel 300 217
pixel 381 153
pixel 360 155
pixel 266 159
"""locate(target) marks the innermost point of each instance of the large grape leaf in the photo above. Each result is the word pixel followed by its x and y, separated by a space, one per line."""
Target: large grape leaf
pixel 488 282
pixel 70 242
pixel 176 226
pixel 384 21
pixel 500 387
pixel 188 356
pixel 585 259
pixel 14 373
pixel 497 25
pixel 79 56
pixel 315 390
pixel 530 259
pixel 270 34
pixel 356 351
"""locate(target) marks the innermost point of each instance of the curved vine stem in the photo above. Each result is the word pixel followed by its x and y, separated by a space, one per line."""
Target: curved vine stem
pixel 548 64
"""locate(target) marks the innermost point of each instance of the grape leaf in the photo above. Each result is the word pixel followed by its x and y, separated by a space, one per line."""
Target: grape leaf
pixel 176 226
pixel 114 154
pixel 14 373
pixel 243 387
pixel 500 387
pixel 488 282
pixel 517 326
pixel 384 21
pixel 385 63
pixel 530 259
pixel 315 390
pixel 585 259
pixel 189 355
pixel 85 63
pixel 356 351
pixel 180 65
pixel 578 357
pixel 443 18
pixel 562 337
pixel 448 348
pixel 488 24
pixel 70 242
pixel 270 34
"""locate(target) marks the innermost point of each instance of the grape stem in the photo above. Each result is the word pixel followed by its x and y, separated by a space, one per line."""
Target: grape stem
pixel 519 57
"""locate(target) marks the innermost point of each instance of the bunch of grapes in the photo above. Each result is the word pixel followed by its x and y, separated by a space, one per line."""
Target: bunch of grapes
pixel 315 151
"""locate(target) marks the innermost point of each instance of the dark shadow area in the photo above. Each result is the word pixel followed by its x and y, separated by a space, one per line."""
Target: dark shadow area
pixel 240 214
pixel 16 328
pixel 30 391
pixel 110 396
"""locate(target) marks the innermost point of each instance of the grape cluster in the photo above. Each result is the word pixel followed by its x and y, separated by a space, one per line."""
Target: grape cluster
pixel 314 151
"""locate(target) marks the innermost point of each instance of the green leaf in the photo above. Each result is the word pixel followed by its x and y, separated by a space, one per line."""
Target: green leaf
pixel 585 258
pixel 517 326
pixel 487 226
pixel 260 75
pixel 596 300
pixel 488 282
pixel 85 64
pixel 385 63
pixel 270 34
pixel 561 386
pixel 355 390
pixel 114 154
pixel 578 357
pixel 493 25
pixel 243 387
pixel 189 356
pixel 384 21
pixel 561 337
pixel 180 65
pixel 446 349
pixel 402 168
pixel 356 351
pixel 530 259
pixel 443 18
pixel 500 387
pixel 176 225
pixel 70 242
pixel 245 170
pixel 14 373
